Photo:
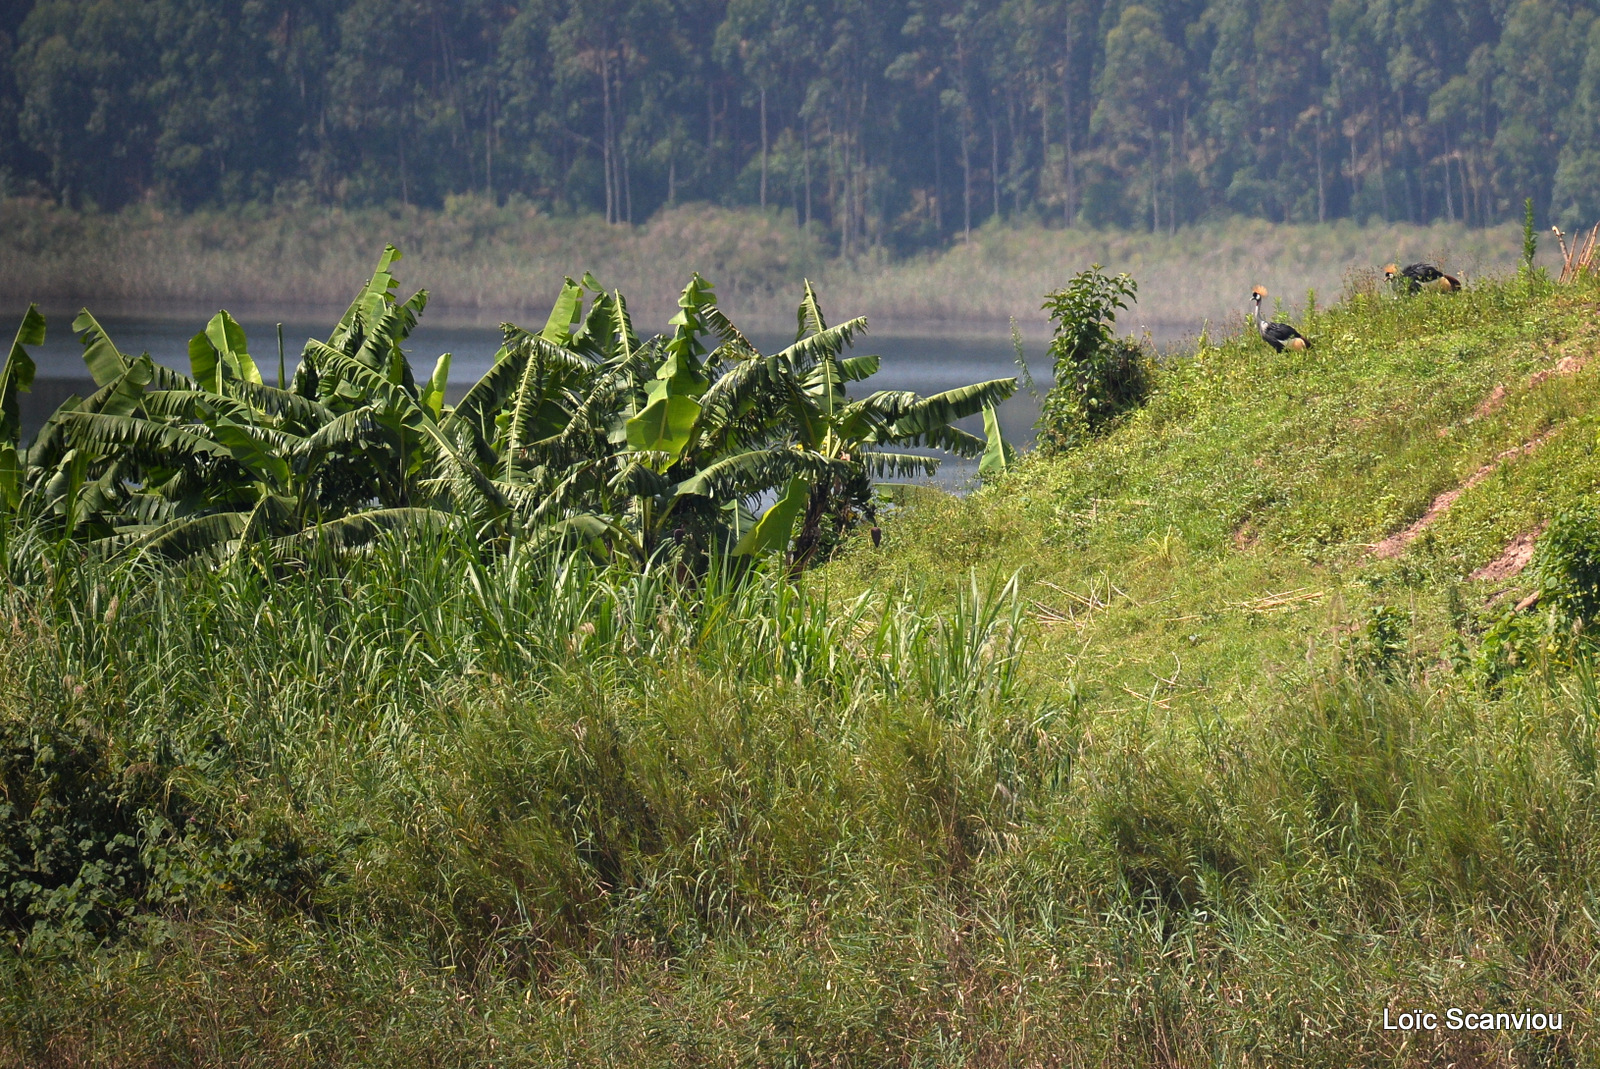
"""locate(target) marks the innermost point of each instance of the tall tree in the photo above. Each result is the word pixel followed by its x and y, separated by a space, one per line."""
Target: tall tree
pixel 1576 196
pixel 1540 57
pixel 86 96
pixel 1137 94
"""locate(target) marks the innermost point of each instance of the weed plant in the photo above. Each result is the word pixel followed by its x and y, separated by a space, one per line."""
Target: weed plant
pixel 1098 376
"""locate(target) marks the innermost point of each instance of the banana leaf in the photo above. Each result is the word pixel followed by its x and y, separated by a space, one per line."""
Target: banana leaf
pixel 433 393
pixel 141 439
pixel 998 456
pixel 665 426
pixel 17 376
pixel 565 315
pixel 221 353
pixel 105 363
pixel 772 532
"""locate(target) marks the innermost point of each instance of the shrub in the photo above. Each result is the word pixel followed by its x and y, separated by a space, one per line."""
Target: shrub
pixel 1566 569
pixel 1380 646
pixel 1098 375
pixel 74 859
pixel 95 834
pixel 1566 565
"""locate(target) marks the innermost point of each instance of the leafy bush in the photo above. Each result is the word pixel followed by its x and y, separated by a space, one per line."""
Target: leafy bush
pixel 1380 646
pixel 81 832
pixel 1566 565
pixel 95 832
pixel 1566 569
pixel 1098 375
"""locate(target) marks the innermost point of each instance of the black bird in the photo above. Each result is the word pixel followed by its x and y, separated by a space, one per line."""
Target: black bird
pixel 1280 336
pixel 1418 277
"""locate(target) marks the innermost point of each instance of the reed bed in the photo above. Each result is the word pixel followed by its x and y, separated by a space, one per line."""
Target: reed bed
pixel 487 263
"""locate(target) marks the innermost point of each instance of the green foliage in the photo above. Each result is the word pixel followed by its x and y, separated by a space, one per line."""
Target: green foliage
pixel 771 533
pixel 580 428
pixel 456 803
pixel 1242 479
pixel 574 779
pixel 70 850
pixel 1566 567
pixel 15 378
pixel 1530 238
pixel 1513 643
pixel 998 455
pixel 101 823
pixel 1575 199
pixel 1381 646
pixel 1557 623
pixel 99 832
pixel 220 353
pixel 1098 376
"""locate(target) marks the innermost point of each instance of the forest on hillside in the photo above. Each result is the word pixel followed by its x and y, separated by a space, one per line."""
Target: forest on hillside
pixel 892 124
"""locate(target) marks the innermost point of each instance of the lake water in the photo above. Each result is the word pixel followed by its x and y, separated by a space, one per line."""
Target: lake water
pixel 924 363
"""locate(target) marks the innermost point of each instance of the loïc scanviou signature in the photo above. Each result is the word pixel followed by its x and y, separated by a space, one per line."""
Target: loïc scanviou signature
pixel 1459 1020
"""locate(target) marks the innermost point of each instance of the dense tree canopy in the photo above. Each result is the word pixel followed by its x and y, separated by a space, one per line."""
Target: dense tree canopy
pixel 889 123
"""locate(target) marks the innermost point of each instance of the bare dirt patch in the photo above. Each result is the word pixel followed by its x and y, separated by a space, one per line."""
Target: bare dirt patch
pixel 1396 543
pixel 1494 402
pixel 1511 562
pixel 1491 404
pixel 1567 365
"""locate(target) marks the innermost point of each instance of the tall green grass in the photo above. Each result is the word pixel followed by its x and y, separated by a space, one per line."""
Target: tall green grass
pixel 339 691
pixel 432 809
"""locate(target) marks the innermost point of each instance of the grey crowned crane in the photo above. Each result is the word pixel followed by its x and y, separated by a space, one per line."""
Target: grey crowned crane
pixel 1280 336
pixel 1418 277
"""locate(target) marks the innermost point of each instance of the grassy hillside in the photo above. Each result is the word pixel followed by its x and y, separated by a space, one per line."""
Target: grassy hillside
pixel 1154 753
pixel 1252 473
pixel 507 262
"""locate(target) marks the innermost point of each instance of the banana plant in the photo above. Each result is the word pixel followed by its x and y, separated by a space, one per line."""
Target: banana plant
pixel 579 429
pixel 16 378
pixel 206 464
pixel 710 427
pixel 874 431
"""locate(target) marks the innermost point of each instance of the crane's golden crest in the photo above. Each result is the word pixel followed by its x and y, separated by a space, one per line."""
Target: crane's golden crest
pixel 1390 269
pixel 1297 344
pixel 1259 291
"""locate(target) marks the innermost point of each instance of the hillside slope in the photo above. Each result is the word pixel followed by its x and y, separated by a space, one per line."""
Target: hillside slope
pixel 1264 502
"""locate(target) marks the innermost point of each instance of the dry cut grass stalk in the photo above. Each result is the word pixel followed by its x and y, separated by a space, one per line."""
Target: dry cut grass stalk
pixel 1580 257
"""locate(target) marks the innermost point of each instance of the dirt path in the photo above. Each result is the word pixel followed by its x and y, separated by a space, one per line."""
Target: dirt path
pixel 1396 543
pixel 1511 562
pixel 1520 551
pixel 1496 399
pixel 1567 365
pixel 1491 404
